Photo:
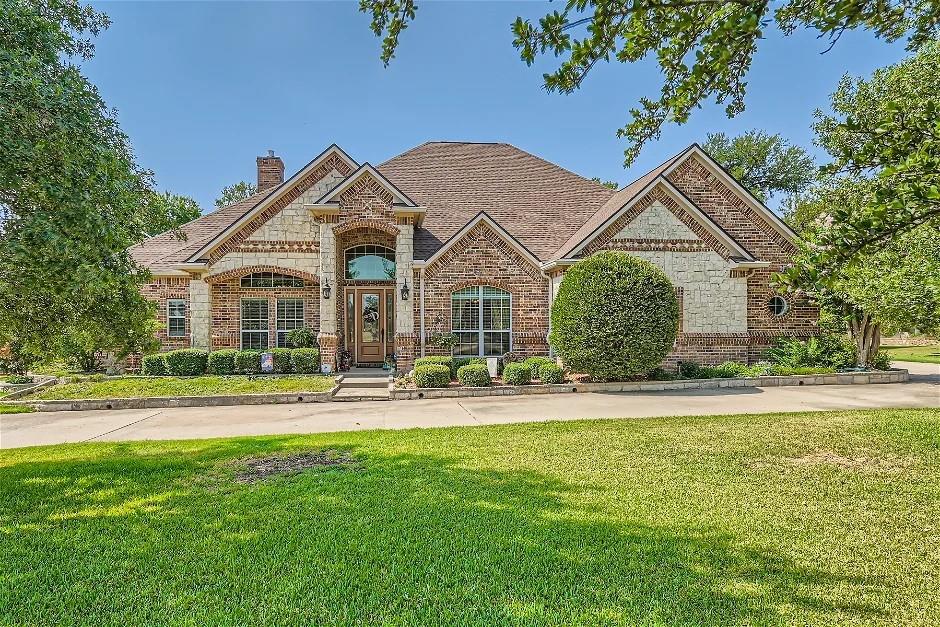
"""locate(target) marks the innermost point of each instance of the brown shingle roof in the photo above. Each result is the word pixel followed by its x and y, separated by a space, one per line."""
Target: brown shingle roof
pixel 161 252
pixel 537 202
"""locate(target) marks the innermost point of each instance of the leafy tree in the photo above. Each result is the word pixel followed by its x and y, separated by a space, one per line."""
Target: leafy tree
pixel 895 288
pixel 704 48
pixel 233 193
pixel 765 164
pixel 610 184
pixel 173 211
pixel 72 198
pixel 885 130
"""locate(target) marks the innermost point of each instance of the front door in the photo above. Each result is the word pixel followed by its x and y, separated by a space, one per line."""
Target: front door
pixel 370 312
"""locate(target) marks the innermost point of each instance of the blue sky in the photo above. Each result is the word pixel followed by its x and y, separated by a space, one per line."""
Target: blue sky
pixel 202 88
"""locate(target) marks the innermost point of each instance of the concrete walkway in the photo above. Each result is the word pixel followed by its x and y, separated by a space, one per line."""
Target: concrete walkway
pixel 18 430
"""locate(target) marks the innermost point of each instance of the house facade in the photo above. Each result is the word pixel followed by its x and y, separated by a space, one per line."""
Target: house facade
pixel 465 238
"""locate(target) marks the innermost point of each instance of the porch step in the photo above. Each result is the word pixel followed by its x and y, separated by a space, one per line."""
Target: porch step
pixel 363 384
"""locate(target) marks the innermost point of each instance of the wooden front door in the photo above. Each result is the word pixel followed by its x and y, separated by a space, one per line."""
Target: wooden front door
pixel 370 312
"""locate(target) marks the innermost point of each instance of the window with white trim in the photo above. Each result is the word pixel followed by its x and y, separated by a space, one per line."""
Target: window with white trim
pixel 481 318
pixel 290 316
pixel 176 317
pixel 254 327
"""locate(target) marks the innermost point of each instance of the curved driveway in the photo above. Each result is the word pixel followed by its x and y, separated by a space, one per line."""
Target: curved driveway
pixel 204 422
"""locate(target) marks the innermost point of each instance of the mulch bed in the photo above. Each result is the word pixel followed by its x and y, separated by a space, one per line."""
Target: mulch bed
pixel 261 468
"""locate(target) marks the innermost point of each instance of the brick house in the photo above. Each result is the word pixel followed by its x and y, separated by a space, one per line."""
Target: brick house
pixel 469 238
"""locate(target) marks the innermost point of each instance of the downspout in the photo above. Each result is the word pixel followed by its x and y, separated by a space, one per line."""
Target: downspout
pixel 422 312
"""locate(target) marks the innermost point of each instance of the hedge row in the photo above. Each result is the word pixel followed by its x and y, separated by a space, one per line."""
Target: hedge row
pixel 191 362
pixel 453 363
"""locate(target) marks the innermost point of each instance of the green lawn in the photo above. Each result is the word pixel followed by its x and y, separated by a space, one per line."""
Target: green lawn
pixel 14 409
pixel 133 387
pixel 923 354
pixel 825 519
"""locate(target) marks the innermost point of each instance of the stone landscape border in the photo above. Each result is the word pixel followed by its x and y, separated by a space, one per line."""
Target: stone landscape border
pixel 838 378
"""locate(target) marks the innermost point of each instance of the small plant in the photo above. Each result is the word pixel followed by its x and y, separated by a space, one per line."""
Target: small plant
pixel 248 362
pixel 829 351
pixel 659 374
pixel 689 370
pixel 474 375
pixel 305 360
pixel 19 379
pixel 517 373
pixel 432 376
pixel 301 338
pixel 188 362
pixel 881 361
pixel 551 373
pixel 222 362
pixel 282 360
pixel 535 362
pixel 443 341
pixel 450 362
pixel 153 365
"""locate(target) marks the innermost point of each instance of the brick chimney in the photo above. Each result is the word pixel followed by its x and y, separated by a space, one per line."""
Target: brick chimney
pixel 270 171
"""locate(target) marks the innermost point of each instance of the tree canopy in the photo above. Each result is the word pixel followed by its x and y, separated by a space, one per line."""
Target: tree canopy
pixel 72 198
pixel 765 164
pixel 233 193
pixel 704 48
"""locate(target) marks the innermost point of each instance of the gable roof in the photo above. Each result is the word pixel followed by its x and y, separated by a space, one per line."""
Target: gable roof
pixel 538 203
pixel 365 169
pixel 484 218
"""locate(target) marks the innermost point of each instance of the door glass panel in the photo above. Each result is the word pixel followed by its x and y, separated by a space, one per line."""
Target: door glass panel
pixel 350 317
pixel 390 315
pixel 370 318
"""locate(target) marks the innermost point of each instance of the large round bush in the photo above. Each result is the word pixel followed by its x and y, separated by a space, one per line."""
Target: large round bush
pixel 615 316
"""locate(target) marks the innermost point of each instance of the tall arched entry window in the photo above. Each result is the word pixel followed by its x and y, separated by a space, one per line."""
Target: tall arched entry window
pixel 481 318
pixel 370 262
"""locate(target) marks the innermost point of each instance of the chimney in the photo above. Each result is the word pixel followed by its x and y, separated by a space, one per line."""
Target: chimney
pixel 270 171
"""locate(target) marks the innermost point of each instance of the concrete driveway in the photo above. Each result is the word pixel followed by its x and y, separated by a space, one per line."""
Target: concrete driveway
pixel 18 430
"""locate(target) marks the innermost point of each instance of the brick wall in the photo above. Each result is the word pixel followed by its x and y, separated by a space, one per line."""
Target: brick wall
pixel 226 310
pixel 159 291
pixel 482 257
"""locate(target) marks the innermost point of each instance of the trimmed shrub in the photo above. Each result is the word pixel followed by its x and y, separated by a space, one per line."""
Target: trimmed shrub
pixel 551 373
pixel 222 362
pixel 535 362
pixel 432 376
pixel 474 375
pixel 248 362
pixel 615 316
pixel 440 360
pixel 188 362
pixel 460 362
pixel 305 360
pixel 153 365
pixel 282 364
pixel 517 373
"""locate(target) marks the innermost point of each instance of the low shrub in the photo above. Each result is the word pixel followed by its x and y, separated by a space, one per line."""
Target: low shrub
pixel 281 357
pixel 188 362
pixel 517 373
pixel 153 365
pixel 305 360
pixel 19 379
pixel 551 373
pixel 689 370
pixel 830 351
pixel 460 362
pixel 444 360
pixel 881 361
pixel 659 374
pixel 301 338
pixel 535 362
pixel 248 362
pixel 432 376
pixel 222 362
pixel 474 375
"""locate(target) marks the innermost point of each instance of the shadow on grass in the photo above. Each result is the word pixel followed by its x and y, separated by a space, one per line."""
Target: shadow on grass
pixel 161 536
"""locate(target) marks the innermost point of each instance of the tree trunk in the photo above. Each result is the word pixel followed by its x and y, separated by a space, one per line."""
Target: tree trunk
pixel 867 336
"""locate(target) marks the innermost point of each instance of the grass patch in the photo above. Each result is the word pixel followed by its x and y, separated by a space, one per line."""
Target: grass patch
pixel 136 387
pixel 14 409
pixel 804 518
pixel 922 354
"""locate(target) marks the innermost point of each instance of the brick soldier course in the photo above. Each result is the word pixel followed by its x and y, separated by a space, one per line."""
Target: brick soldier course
pixel 445 216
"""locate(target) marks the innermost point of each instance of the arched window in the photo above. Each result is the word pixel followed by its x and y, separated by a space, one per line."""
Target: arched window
pixel 370 262
pixel 481 318
pixel 271 279
pixel 778 306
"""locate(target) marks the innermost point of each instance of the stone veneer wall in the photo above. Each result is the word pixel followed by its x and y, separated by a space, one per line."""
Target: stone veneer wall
pixel 482 257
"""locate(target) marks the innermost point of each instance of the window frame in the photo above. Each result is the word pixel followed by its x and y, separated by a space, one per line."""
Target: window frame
pixel 280 332
pixel 478 293
pixel 169 317
pixel 772 309
pixel 271 280
pixel 265 331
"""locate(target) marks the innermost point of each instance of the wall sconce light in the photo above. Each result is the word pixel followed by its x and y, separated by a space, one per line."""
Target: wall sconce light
pixel 405 290
pixel 326 288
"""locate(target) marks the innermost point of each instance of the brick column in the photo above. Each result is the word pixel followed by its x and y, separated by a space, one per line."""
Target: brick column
pixel 200 319
pixel 327 336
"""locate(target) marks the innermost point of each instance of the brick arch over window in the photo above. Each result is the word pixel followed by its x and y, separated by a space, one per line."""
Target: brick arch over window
pixel 367 224
pixel 481 281
pixel 237 273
